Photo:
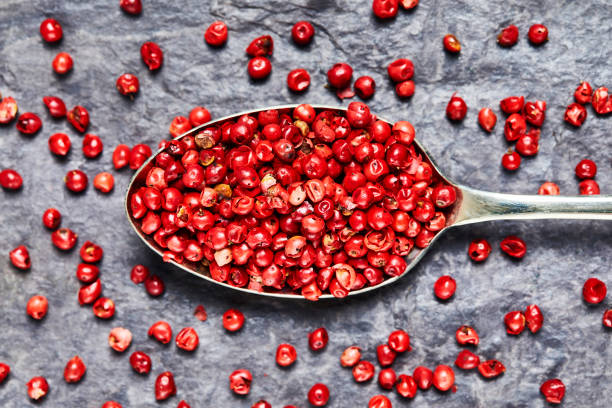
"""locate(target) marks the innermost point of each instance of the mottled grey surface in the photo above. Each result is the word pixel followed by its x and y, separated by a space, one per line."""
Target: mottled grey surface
pixel 573 345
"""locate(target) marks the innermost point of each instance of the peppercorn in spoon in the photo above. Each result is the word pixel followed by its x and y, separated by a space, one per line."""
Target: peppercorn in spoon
pixel 311 201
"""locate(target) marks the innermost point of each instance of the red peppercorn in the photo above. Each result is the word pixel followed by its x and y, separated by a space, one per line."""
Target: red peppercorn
pixel 298 80
pixel 261 404
pixel 575 114
pixel 423 377
pixel 78 117
pixel 386 378
pixel 385 8
pixel 549 188
pixel 111 404
pixel 51 30
pixel 20 258
pixel 55 105
pixel 350 356
pixel 119 339
pixel 386 355
pixel 588 187
pixel 534 318
pixel 87 273
pixel 64 239
pixel 535 113
pixel 139 154
pixel 586 169
pixel 538 34
pixel 317 339
pixel 456 108
pixel 133 7
pixel 529 143
pixel 128 85
pixel 164 386
pixel 37 307
pixel 379 401
pixel 261 46
pixel 154 286
pixel 74 370
pixel 216 34
pixel 406 386
pixel 479 250
pixel 198 116
pixel 594 291
pixel 511 160
pixel 104 182
pixel 467 335
pixel 59 144
pixel 487 119
pixel 445 287
pixel 491 368
pixel 508 37
pixel 89 293
pixel 179 125
pixel 51 218
pixel 76 181
pixel 302 32
pixel 339 76
pixel 601 101
pixel 515 322
pixel 104 308
pixel 451 44
pixel 92 146
pixel 10 179
pixel 183 404
pixel 233 320
pixel 37 388
pixel 364 87
pixel 607 321
pixel 91 252
pixel 553 390
pixel 140 362
pixel 62 63
pixel 409 4
pixel 152 55
pixel 363 371
pixel 515 127
pixel 399 341
pixel 121 156
pixel 318 395
pixel 161 331
pixel 285 355
pixel 400 70
pixel 466 360
pixel 28 123
pixel 583 93
pixel 8 110
pixel 5 369
pixel 187 339
pixel 139 274
pixel 404 89
pixel 514 246
pixel 240 381
pixel 443 378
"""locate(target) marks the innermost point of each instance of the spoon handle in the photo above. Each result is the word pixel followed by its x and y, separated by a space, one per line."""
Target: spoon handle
pixel 479 206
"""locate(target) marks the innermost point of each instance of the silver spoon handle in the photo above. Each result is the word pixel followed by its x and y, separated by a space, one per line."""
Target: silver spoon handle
pixel 479 206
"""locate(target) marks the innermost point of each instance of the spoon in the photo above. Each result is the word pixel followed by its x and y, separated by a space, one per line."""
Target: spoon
pixel 471 206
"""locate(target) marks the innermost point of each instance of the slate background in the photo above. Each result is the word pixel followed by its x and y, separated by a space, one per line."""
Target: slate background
pixel 104 42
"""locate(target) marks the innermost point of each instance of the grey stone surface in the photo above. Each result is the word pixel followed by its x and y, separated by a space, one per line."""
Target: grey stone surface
pixel 573 345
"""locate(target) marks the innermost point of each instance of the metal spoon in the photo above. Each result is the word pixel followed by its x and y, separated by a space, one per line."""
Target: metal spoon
pixel 472 206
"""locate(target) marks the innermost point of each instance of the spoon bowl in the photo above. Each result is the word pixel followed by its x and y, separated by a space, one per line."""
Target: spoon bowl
pixel 470 207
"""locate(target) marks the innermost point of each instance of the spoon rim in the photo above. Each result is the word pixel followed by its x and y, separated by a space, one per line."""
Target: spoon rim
pixel 294 296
